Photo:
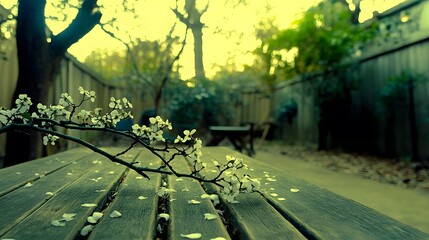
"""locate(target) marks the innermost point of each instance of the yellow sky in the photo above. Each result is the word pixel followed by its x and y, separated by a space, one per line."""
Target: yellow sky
pixel 235 41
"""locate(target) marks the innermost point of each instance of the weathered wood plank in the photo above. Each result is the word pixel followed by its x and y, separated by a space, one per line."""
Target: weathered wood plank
pixel 85 189
pixel 187 218
pixel 16 176
pixel 252 216
pixel 321 214
pixel 20 203
pixel 138 215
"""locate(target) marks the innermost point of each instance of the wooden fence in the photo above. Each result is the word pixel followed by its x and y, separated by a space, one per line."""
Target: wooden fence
pixel 371 129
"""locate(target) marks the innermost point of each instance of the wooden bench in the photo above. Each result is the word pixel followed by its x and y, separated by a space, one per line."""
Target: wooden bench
pixel 77 181
pixel 241 137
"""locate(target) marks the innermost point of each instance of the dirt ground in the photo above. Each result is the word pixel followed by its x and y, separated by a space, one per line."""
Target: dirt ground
pixel 392 188
pixel 370 167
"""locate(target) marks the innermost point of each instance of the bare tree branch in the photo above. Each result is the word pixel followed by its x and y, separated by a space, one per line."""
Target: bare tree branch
pixel 129 51
pixel 86 19
pixel 169 69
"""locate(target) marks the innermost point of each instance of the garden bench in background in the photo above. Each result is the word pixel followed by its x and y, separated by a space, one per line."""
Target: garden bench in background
pixel 241 137
pixel 35 193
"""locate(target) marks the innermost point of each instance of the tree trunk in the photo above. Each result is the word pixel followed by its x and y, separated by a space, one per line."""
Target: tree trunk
pixel 38 62
pixel 197 32
pixel 192 19
pixel 33 75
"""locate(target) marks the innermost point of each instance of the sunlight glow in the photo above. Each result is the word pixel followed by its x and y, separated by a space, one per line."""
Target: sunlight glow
pixel 228 36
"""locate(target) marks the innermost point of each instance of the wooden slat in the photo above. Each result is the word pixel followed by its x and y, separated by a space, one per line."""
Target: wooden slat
pixel 83 190
pixel 188 218
pixel 319 213
pixel 20 203
pixel 253 216
pixel 16 176
pixel 138 216
pixel 256 219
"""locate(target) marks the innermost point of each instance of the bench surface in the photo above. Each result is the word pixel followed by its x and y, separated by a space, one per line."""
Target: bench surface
pixel 77 181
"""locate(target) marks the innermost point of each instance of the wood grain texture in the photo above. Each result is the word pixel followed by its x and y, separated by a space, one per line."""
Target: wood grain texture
pixel 256 219
pixel 19 204
pixel 138 215
pixel 253 217
pixel 187 218
pixel 274 213
pixel 318 213
pixel 16 176
pixel 85 189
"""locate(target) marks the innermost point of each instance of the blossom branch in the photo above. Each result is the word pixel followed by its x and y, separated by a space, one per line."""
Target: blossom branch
pixel 47 119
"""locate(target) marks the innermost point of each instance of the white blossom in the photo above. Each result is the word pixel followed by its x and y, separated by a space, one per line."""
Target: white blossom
pixel 49 139
pixel 65 100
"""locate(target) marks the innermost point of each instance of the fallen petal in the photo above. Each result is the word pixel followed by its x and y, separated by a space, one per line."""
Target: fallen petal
pixel 142 197
pixel 89 205
pixel 271 179
pixel 192 235
pixel 274 194
pixel 97 215
pixel 179 180
pixel 193 201
pixel 68 216
pixel 164 215
pixel 169 190
pixel 115 214
pixel 209 216
pixel 92 220
pixel 294 190
pixel 57 223
pixel 86 230
pixel 29 184
pixel 281 198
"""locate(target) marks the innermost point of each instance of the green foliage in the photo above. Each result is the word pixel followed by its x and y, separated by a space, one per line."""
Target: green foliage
pixel 320 47
pixel 203 104
pixel 146 63
pixel 287 111
pixel 234 79
pixel 109 64
pixel 263 64
pixel 396 91
pixel 324 38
